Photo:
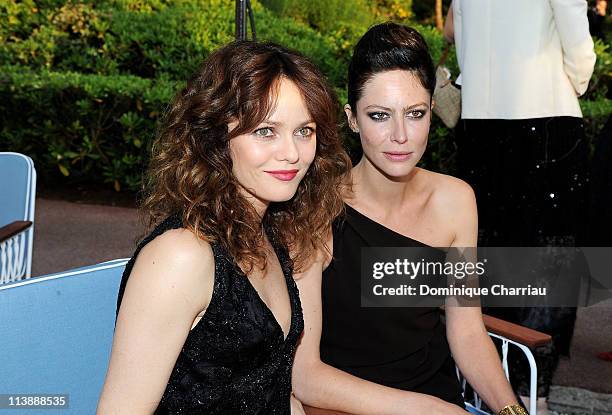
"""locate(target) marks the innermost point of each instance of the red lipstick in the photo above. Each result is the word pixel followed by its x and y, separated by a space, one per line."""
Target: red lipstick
pixel 284 175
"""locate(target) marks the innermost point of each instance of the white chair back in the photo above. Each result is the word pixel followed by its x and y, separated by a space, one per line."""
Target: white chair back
pixel 17 198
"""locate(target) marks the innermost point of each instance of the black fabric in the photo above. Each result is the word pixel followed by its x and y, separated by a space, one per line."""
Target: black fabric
pixel 531 183
pixel 530 178
pixel 404 348
pixel 236 359
pixel 600 212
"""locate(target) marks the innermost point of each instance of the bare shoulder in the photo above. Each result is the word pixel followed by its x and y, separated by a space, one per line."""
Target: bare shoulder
pixel 449 193
pixel 170 284
pixel 179 246
pixel 176 263
pixel 454 205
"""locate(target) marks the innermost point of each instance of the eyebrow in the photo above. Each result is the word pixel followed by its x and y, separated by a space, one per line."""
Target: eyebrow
pixel 276 123
pixel 419 104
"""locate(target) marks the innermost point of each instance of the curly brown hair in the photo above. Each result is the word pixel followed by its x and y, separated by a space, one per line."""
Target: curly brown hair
pixel 190 172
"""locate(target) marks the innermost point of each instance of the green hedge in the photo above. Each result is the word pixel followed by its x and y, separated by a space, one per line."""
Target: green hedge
pixel 151 39
pixel 114 37
pixel 83 83
pixel 79 126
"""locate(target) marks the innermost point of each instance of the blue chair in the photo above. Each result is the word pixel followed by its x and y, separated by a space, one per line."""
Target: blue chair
pixel 59 335
pixel 17 195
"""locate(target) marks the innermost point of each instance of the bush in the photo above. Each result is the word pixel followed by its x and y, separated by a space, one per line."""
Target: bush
pixel 322 15
pixel 83 82
pixel 80 127
pixel 595 115
pixel 600 85
pixel 117 37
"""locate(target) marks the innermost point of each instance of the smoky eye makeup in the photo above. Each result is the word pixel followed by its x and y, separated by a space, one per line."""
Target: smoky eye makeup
pixel 382 116
pixel 416 113
pixel 378 115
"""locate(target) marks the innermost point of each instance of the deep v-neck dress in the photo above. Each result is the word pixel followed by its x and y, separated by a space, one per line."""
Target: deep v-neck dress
pixel 236 360
pixel 404 348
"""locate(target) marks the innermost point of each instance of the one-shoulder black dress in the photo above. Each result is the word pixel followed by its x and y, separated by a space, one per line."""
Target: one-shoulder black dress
pixel 236 360
pixel 404 348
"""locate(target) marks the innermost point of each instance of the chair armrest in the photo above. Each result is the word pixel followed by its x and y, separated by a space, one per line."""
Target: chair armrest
pixel 520 334
pixel 13 229
pixel 309 410
pixel 517 333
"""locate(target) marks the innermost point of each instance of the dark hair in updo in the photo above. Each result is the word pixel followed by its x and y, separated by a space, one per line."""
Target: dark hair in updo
pixel 385 47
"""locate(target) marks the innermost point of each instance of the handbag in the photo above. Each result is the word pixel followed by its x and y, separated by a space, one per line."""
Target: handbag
pixel 447 96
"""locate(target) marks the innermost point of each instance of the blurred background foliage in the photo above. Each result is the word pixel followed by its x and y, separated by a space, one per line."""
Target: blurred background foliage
pixel 83 83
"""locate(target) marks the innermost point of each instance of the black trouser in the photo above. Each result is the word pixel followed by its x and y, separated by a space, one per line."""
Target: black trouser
pixel 531 182
pixel 600 209
pixel 530 179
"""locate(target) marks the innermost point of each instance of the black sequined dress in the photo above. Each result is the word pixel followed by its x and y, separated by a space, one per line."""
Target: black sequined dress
pixel 236 360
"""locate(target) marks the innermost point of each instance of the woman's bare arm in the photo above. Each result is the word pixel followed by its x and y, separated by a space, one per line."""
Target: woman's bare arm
pixel 170 284
pixel 469 342
pixel 323 386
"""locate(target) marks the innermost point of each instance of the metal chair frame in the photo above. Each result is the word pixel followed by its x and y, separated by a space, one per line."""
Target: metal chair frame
pixel 16 249
pixel 476 406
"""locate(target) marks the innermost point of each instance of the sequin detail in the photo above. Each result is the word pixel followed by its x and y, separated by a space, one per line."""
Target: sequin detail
pixel 236 360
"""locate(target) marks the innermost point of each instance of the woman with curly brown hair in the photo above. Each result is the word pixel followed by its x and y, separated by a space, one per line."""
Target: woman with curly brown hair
pixel 243 183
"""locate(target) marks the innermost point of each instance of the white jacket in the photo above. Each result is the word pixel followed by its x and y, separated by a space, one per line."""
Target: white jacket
pixel 522 58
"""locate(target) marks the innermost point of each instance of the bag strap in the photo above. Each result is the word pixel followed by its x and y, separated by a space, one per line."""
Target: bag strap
pixel 444 55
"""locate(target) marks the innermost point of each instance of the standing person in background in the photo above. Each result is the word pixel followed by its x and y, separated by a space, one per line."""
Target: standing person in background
pixel 597 18
pixel 521 138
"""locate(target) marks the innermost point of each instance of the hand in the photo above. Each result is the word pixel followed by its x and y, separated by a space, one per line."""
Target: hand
pixel 296 406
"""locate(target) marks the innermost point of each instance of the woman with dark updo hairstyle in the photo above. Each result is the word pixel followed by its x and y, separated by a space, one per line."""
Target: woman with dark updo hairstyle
pixel 243 184
pixel 392 360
